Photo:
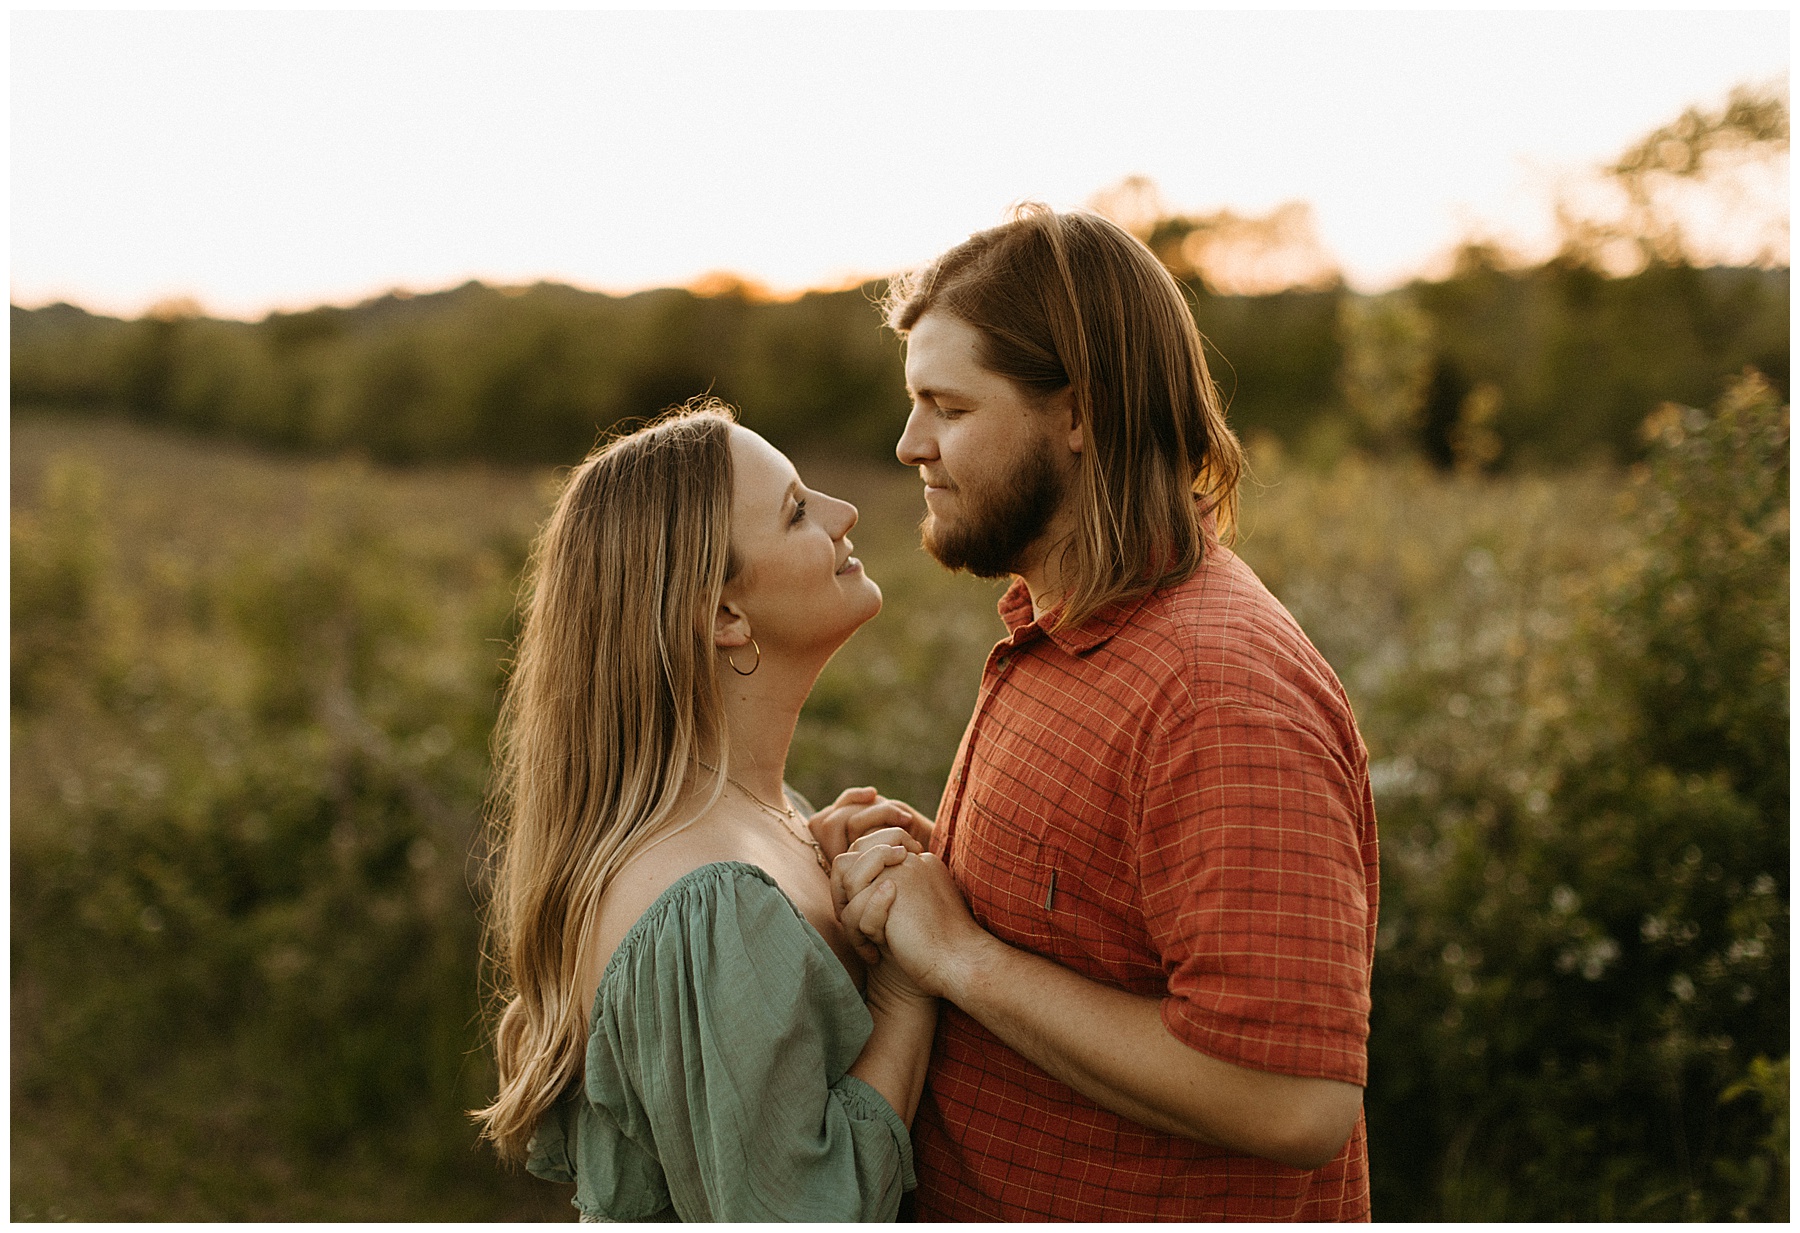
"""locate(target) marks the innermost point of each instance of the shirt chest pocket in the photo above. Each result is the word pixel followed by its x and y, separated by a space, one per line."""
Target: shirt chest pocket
pixel 1007 873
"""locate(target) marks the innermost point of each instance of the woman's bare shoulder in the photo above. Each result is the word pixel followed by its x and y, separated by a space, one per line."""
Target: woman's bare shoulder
pixel 642 882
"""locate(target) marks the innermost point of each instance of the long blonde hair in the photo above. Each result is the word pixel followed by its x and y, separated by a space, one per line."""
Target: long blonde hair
pixel 1073 301
pixel 613 699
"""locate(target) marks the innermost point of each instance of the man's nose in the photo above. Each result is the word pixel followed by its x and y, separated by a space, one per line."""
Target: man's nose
pixel 915 445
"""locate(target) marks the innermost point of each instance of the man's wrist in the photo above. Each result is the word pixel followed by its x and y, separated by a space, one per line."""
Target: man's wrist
pixel 965 966
pixel 897 997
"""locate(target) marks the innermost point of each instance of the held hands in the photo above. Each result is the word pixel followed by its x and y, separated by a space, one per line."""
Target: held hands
pixel 854 870
pixel 899 907
pixel 858 812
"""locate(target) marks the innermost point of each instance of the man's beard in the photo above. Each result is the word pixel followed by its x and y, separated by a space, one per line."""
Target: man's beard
pixel 997 526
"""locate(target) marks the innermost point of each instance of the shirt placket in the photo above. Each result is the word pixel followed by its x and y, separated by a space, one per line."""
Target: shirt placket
pixel 993 674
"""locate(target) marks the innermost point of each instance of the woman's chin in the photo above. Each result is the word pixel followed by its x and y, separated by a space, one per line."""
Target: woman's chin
pixel 862 592
pixel 857 611
pixel 864 612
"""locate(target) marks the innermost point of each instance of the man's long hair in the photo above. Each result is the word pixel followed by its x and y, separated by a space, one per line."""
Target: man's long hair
pixel 612 701
pixel 1072 301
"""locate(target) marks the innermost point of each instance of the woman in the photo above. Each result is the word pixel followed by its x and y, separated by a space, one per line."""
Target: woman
pixel 684 1036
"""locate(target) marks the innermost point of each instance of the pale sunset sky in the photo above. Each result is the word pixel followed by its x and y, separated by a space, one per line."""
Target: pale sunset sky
pixel 263 160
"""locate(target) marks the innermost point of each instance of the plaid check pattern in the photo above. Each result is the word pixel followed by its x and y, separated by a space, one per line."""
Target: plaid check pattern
pixel 1174 800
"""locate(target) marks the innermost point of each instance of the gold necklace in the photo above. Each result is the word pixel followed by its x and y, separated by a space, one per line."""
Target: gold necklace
pixel 783 816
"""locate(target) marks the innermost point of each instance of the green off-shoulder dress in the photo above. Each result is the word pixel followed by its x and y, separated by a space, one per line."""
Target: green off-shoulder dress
pixel 717 1084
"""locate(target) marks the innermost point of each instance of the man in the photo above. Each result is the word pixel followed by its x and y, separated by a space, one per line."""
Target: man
pixel 1159 819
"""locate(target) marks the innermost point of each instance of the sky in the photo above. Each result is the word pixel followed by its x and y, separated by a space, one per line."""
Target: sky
pixel 254 161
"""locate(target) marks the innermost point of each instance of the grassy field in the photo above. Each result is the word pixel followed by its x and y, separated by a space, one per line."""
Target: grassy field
pixel 225 658
pixel 251 699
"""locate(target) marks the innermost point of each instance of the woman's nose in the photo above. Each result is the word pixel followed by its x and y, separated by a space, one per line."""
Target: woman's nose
pixel 849 516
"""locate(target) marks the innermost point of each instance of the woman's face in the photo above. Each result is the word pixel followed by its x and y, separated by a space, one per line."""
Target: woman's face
pixel 796 585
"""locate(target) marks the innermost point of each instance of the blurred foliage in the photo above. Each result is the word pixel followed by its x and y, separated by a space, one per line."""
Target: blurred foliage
pixel 527 374
pixel 252 694
pixel 251 705
pixel 1572 361
pixel 1496 366
pixel 1225 252
pixel 244 776
pixel 1500 365
pixel 1583 791
pixel 1386 367
pixel 1720 160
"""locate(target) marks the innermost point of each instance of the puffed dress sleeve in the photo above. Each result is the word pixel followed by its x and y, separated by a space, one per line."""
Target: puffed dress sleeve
pixel 724 1031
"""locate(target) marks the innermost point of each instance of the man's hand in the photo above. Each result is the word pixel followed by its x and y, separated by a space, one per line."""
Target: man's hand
pixel 859 811
pixel 907 905
pixel 1109 1045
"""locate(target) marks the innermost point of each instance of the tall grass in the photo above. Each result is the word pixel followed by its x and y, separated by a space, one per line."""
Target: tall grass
pixel 251 700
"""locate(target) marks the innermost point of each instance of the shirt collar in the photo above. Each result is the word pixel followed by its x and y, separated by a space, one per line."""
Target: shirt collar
pixel 1015 607
pixel 1015 610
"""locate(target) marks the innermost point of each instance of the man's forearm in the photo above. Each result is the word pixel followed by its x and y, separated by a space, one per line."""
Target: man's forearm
pixel 1112 1047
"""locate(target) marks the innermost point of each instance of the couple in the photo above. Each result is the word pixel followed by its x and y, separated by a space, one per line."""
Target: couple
pixel 1123 975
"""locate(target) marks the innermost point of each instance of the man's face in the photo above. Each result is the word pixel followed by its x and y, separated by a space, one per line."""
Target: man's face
pixel 997 463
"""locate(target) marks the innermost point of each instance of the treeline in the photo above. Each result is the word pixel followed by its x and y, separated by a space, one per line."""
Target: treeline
pixel 1491 368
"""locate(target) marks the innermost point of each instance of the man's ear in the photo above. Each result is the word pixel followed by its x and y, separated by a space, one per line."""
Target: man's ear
pixel 730 627
pixel 1062 405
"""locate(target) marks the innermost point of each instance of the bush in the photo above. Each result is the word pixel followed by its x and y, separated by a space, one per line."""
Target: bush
pixel 1581 992
pixel 244 979
pixel 250 713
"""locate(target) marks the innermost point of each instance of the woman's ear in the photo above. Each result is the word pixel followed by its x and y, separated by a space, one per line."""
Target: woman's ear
pixel 730 627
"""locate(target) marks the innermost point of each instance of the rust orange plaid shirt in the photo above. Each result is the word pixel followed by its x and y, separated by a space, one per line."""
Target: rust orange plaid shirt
pixel 1172 799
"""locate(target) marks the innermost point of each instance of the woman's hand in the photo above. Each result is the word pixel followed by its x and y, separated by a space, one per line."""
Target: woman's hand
pixel 853 870
pixel 851 874
pixel 859 811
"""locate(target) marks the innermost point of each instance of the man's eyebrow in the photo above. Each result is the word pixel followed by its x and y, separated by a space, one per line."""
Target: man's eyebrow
pixel 934 395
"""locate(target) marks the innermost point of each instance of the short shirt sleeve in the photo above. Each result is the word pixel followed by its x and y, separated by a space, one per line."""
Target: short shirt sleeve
pixel 1251 865
pixel 724 1033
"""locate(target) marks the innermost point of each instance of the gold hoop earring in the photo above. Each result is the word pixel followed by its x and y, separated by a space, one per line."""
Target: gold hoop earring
pixel 753 667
